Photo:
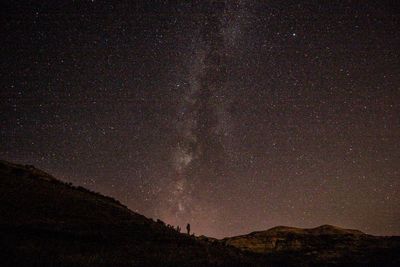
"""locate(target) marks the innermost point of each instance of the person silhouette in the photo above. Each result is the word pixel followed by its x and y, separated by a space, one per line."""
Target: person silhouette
pixel 188 228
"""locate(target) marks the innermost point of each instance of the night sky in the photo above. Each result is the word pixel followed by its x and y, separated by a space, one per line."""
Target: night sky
pixel 234 116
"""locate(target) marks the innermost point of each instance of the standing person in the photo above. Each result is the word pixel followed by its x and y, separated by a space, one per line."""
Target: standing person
pixel 188 228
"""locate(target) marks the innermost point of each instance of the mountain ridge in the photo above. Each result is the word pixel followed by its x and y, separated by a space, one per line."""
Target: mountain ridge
pixel 324 245
pixel 325 229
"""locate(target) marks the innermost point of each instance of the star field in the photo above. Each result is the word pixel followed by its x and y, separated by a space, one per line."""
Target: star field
pixel 234 116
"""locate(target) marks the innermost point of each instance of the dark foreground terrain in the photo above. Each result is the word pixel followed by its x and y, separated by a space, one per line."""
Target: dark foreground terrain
pixel 46 222
pixel 322 246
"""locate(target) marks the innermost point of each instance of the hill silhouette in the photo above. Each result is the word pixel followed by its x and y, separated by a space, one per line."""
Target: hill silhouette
pixel 47 222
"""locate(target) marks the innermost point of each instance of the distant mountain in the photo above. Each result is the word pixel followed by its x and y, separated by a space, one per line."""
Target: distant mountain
pixel 325 245
pixel 46 222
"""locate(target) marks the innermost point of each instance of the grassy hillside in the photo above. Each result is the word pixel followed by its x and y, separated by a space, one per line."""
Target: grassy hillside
pixel 45 222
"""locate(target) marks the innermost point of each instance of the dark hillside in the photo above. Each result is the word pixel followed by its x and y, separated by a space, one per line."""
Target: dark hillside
pixel 45 222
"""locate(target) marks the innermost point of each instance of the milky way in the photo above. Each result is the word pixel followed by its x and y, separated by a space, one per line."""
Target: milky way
pixel 202 120
pixel 233 116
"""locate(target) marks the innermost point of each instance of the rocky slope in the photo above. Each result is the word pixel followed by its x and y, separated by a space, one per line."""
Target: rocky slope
pixel 322 246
